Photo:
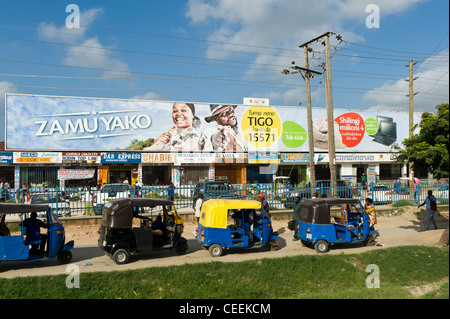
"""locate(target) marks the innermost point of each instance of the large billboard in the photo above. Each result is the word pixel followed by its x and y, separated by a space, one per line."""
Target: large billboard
pixel 53 123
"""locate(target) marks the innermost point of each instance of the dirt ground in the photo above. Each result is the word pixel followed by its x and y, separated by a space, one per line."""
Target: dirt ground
pixel 404 227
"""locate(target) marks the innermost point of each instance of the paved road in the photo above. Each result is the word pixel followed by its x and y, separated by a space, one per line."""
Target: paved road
pixel 394 231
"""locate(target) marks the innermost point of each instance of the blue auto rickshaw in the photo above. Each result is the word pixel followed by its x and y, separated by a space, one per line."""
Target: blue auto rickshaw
pixel 232 223
pixel 17 247
pixel 328 221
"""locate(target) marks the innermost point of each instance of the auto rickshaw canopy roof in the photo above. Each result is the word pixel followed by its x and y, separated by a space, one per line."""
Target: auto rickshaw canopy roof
pixel 118 213
pixel 214 212
pixel 6 208
pixel 317 211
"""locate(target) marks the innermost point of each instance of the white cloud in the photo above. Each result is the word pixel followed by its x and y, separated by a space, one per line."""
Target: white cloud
pixel 431 85
pixel 81 50
pixel 92 54
pixel 281 23
pixel 52 32
pixel 147 96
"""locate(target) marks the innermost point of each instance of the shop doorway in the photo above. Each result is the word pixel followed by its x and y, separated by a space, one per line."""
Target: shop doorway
pixel 120 173
pixel 156 175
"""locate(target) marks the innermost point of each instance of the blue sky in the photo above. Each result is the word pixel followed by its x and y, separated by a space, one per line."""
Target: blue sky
pixel 224 50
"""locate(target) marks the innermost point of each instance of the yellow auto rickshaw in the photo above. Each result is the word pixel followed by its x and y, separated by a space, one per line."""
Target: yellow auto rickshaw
pixel 231 223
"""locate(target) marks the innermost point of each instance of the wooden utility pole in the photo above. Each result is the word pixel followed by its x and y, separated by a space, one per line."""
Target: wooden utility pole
pixel 308 75
pixel 312 165
pixel 330 116
pixel 411 121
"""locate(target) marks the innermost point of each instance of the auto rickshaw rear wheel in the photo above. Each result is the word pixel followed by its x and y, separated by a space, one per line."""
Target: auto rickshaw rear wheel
pixel 121 256
pixel 321 246
pixel 64 257
pixel 215 250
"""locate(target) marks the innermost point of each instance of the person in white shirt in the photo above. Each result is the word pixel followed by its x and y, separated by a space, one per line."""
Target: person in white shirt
pixel 88 202
pixel 431 205
pixel 198 207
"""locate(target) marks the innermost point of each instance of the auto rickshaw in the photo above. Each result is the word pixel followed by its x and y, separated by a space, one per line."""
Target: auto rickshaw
pixel 18 247
pixel 329 221
pixel 119 239
pixel 251 227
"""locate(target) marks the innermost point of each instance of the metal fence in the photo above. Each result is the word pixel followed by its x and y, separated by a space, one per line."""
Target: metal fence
pixel 76 201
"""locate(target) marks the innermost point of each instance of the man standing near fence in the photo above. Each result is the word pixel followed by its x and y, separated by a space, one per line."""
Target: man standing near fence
pixel 171 191
pixel 198 209
pixel 296 217
pixel 88 201
pixel 431 205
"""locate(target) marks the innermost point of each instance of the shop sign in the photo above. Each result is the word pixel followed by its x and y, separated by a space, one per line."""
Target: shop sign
pixel 354 157
pixel 81 157
pixel 70 174
pixel 111 158
pixel 231 158
pixel 255 101
pixel 157 158
pixel 6 158
pixel 37 157
pixel 195 158
pixel 263 158
pixel 294 158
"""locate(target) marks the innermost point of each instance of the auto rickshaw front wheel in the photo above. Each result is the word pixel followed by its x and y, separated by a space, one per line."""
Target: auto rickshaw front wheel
pixel 215 250
pixel 321 246
pixel 64 257
pixel 121 256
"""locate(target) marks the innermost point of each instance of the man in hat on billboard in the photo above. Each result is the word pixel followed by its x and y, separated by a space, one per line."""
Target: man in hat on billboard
pixel 227 137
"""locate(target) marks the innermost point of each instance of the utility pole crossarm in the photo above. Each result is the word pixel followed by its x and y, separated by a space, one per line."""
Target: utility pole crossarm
pixel 315 39
pixel 307 71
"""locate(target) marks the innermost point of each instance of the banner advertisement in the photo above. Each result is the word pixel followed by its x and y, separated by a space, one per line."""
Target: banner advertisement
pixel 70 174
pixel 96 124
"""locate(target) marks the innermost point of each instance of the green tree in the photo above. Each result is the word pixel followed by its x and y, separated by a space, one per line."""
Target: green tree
pixel 429 148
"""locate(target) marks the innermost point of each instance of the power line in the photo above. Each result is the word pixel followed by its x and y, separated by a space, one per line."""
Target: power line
pixel 163 44
pixel 154 34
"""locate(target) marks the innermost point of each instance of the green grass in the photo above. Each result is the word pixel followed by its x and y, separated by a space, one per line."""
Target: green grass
pixel 306 276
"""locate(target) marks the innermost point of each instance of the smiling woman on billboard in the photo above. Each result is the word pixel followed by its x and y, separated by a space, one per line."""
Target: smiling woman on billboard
pixel 185 135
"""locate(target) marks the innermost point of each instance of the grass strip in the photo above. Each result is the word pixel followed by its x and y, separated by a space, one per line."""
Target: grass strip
pixel 305 276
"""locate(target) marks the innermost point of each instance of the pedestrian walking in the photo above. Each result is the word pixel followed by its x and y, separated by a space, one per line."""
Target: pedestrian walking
pixel 431 206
